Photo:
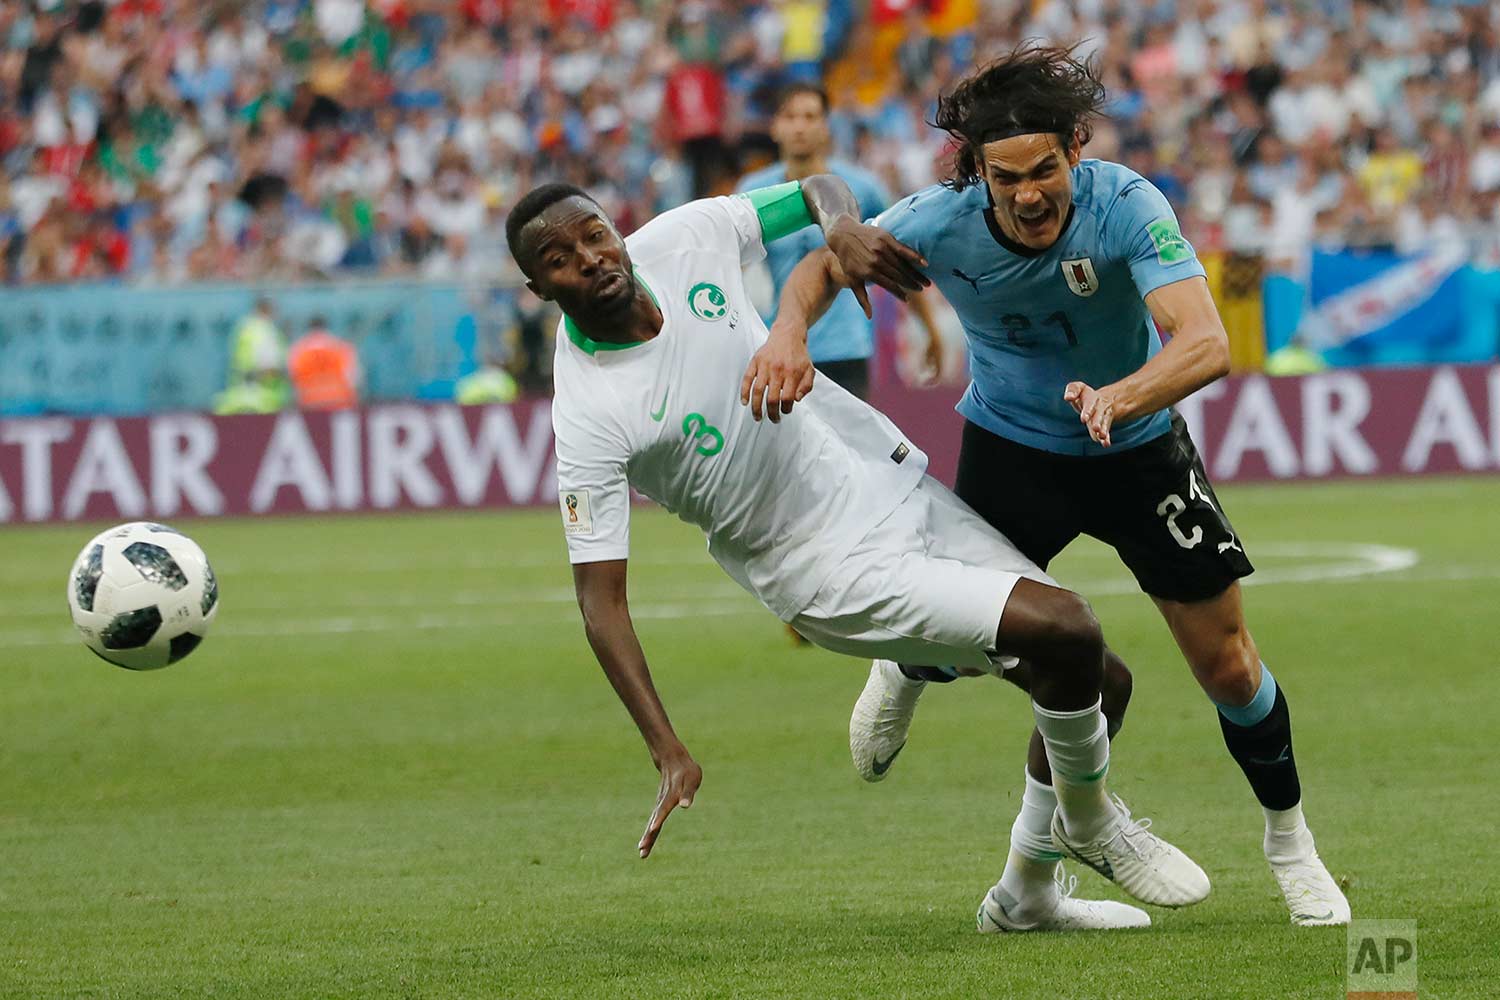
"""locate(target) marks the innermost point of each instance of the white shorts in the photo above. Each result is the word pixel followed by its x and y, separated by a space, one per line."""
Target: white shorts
pixel 926 587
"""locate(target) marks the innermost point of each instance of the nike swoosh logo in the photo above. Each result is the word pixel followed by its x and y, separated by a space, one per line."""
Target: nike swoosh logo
pixel 662 410
pixel 1102 866
pixel 881 766
pixel 1318 916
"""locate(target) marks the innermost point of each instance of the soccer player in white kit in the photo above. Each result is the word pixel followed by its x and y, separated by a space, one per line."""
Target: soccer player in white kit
pixel 823 512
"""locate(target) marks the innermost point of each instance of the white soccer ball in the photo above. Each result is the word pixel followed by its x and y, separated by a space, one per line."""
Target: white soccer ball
pixel 142 595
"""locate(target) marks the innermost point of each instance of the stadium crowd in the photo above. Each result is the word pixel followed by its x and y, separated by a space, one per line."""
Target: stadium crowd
pixel 168 141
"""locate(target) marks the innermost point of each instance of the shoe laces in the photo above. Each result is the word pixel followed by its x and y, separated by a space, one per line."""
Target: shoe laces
pixel 1065 883
pixel 1136 833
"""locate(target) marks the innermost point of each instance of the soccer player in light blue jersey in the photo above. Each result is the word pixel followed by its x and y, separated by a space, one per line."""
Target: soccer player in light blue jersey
pixel 1065 274
pixel 842 342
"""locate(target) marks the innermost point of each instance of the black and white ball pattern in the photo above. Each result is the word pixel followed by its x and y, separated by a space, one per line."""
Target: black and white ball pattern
pixel 142 595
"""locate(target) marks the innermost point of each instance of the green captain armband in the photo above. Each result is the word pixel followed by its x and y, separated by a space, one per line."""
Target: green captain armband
pixel 781 208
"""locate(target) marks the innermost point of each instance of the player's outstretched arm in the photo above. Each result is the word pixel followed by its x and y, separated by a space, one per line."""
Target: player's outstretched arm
pixel 1197 354
pixel 781 373
pixel 606 620
pixel 866 253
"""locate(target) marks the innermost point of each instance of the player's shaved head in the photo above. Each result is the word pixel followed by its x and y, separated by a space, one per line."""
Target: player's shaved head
pixel 521 236
pixel 571 252
pixel 1034 90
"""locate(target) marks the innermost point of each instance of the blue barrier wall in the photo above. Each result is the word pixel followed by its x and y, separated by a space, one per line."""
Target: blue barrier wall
pixel 108 349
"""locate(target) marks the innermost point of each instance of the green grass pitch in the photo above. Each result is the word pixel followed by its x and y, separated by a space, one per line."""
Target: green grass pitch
pixel 395 770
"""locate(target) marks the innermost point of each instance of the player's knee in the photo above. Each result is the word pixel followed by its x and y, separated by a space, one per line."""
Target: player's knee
pixel 1077 636
pixel 1232 674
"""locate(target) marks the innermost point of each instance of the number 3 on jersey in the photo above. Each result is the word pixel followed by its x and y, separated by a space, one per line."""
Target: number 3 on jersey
pixel 710 439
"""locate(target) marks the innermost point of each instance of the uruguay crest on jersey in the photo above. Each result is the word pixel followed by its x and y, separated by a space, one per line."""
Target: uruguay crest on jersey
pixel 1080 276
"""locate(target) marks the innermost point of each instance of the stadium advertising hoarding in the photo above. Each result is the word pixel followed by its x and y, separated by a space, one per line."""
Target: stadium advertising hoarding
pixel 1386 422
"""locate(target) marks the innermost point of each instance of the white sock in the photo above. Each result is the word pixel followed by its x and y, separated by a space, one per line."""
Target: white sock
pixel 1033 858
pixel 1287 836
pixel 1078 749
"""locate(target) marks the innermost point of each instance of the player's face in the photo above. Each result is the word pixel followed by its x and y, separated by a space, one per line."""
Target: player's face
pixel 800 127
pixel 576 258
pixel 1030 177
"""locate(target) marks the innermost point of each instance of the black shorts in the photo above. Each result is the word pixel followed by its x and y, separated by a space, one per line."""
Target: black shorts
pixel 853 375
pixel 1153 503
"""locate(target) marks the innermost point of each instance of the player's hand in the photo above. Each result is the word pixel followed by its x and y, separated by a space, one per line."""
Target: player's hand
pixel 869 253
pixel 1095 408
pixel 779 376
pixel 680 778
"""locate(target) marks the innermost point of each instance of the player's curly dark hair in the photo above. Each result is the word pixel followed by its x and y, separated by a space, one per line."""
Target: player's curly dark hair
pixel 1033 89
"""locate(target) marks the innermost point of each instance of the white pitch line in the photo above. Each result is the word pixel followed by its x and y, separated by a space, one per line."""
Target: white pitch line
pixel 1355 562
pixel 420 623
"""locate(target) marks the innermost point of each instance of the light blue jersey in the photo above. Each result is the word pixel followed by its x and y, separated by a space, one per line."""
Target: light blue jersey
pixel 1037 320
pixel 843 334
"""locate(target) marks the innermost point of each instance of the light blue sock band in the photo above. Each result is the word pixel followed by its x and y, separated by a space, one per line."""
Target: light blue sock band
pixel 1260 706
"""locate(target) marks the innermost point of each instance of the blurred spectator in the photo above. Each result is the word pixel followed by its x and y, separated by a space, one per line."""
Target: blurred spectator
pixel 324 369
pixel 257 364
pixel 166 141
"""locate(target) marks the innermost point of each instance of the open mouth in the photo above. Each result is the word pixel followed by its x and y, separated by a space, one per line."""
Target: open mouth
pixel 1034 224
pixel 609 286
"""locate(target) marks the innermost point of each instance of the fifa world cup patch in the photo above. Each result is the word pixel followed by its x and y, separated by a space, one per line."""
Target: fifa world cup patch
pixel 1171 247
pixel 1080 276
pixel 577 518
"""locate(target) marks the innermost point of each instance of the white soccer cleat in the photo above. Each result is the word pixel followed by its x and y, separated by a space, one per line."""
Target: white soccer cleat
pixel 1066 913
pixel 881 719
pixel 1311 894
pixel 1137 860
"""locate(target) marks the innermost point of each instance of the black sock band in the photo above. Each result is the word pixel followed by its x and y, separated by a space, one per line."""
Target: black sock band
pixel 936 675
pixel 1264 752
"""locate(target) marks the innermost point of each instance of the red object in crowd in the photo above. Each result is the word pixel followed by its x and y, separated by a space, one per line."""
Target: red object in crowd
pixel 10 133
pixel 886 11
pixel 138 8
pixel 596 15
pixel 694 102
pixel 394 12
pixel 67 159
pixel 489 13
pixel 111 245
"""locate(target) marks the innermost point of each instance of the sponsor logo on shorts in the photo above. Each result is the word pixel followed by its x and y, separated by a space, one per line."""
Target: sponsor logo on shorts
pixel 899 455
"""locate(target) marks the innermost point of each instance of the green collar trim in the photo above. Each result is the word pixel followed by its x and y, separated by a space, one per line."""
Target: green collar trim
pixel 589 346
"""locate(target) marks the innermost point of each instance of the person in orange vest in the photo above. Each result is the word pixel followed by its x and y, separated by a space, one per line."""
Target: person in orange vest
pixel 324 369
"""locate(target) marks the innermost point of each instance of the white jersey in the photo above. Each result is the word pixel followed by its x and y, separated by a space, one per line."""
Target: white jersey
pixel 781 504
